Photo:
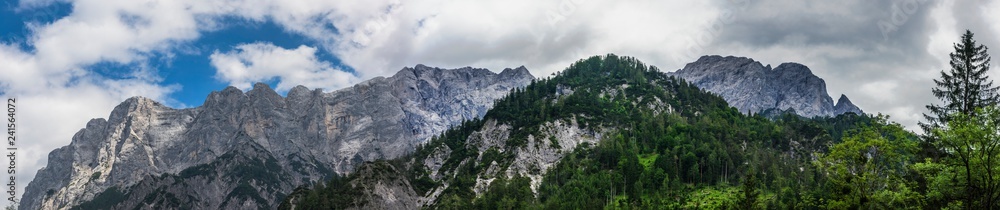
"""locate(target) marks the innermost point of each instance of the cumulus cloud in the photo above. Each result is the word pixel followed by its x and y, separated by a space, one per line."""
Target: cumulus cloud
pixel 544 36
pixel 250 63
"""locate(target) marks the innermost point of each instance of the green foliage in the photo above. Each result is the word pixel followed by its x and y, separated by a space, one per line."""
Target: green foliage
pixel 206 170
pixel 749 192
pixel 962 134
pixel 161 198
pixel 657 158
pixel 507 194
pixel 940 184
pixel 421 181
pixel 647 159
pixel 554 142
pixel 971 164
pixel 245 191
pixel 713 198
pixel 868 168
pixel 105 200
pixel 964 88
pixel 337 193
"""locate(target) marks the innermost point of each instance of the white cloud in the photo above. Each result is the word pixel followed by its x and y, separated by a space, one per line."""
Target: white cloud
pixel 544 36
pixel 250 63
pixel 992 12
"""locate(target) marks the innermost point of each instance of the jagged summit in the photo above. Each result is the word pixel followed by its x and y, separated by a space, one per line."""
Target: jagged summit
pixel 521 70
pixel 844 105
pixel 793 68
pixel 298 91
pixel 750 86
pixel 244 150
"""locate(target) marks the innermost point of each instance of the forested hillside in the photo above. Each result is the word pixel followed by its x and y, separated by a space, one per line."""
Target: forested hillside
pixel 661 143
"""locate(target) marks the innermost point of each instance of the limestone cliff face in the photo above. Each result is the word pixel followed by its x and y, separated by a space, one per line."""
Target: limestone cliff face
pixel 752 87
pixel 241 150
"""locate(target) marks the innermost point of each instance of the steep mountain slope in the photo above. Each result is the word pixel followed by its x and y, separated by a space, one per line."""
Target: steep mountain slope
pixel 247 150
pixel 608 130
pixel 752 87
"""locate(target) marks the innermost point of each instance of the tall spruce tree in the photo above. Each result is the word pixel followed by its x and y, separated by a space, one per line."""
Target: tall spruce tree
pixel 965 87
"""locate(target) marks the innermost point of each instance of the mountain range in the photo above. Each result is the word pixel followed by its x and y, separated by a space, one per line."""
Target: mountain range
pixel 243 150
pixel 608 131
pixel 447 133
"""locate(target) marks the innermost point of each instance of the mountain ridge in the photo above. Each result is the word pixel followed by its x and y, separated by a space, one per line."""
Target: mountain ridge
pixel 311 134
pixel 466 128
pixel 607 131
pixel 752 87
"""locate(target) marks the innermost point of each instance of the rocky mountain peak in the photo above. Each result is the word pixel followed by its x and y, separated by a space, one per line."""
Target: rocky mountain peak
pixel 844 105
pixel 299 91
pixel 727 59
pixel 262 89
pixel 706 63
pixel 750 86
pixel 134 104
pixel 229 95
pixel 519 71
pixel 230 91
pixel 843 100
pixel 264 95
pixel 794 70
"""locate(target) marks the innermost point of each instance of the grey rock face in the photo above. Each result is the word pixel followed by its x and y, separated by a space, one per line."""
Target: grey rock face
pixel 380 185
pixel 542 151
pixel 752 87
pixel 150 152
pixel 557 139
pixel 844 105
pixel 385 187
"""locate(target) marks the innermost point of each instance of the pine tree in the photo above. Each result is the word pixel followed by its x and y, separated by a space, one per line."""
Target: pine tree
pixel 749 199
pixel 965 87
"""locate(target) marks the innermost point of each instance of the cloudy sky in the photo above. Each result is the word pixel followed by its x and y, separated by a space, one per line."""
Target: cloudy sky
pixel 68 61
